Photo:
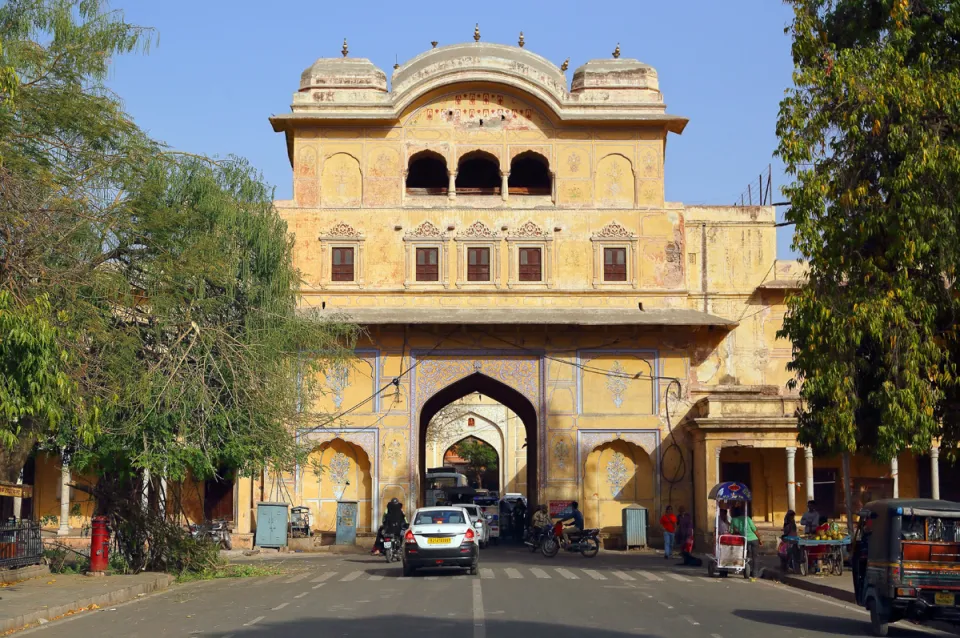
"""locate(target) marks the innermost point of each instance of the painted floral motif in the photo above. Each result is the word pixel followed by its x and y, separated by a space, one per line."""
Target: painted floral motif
pixel 339 467
pixel 573 162
pixel 337 381
pixel 393 450
pixel 614 173
pixel 617 473
pixel 616 383
pixel 561 452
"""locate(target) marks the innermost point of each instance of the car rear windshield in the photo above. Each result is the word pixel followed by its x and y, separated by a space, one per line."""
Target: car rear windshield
pixel 439 518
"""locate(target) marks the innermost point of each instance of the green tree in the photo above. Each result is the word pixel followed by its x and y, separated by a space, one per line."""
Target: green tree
pixel 871 134
pixel 480 457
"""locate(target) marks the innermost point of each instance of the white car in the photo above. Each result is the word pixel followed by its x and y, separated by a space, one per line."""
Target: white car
pixel 476 514
pixel 441 537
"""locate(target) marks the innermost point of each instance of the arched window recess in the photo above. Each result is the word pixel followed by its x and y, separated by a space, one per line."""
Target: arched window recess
pixel 530 175
pixel 427 174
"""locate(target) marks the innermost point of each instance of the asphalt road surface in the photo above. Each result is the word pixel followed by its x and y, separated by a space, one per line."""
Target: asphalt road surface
pixel 516 595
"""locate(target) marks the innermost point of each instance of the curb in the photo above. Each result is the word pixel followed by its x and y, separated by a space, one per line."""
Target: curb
pixel 161 582
pixel 768 573
pixel 24 573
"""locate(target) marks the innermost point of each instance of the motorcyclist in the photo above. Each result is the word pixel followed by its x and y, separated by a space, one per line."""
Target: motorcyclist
pixel 393 523
pixel 541 518
pixel 576 517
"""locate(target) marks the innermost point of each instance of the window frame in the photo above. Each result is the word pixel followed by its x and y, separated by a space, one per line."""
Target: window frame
pixel 530 235
pixel 610 268
pixel 427 250
pixel 615 235
pixel 343 236
pixel 335 251
pixel 479 250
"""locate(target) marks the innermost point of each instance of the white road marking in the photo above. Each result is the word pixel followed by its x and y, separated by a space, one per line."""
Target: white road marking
pixel 539 573
pixel 376 577
pixel 269 579
pixel 301 595
pixel 318 586
pixel 280 606
pixel 690 620
pixel 404 578
pixel 682 579
pixel 486 573
pixel 594 574
pixel 297 578
pixel 651 577
pixel 668 606
pixel 253 622
pixel 323 577
pixel 514 573
pixel 715 636
pixel 479 626
pixel 623 576
pixel 351 576
pixel 460 577
pixel 567 574
pixel 431 577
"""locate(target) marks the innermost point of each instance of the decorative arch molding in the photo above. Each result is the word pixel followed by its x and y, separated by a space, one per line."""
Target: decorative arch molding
pixel 647 440
pixel 478 151
pixel 367 439
pixel 493 436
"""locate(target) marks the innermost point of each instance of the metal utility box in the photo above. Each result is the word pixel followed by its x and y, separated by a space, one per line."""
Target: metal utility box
pixel 347 523
pixel 272 524
pixel 635 526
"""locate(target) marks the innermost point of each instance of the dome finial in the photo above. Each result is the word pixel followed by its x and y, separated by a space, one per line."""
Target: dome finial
pixel 521 43
pixel 344 50
pixel 476 33
pixel 565 65
pixel 616 52
pixel 396 62
pixel 434 43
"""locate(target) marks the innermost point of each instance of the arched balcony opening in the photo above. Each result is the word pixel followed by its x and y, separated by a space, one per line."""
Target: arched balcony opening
pixel 530 175
pixel 427 174
pixel 478 173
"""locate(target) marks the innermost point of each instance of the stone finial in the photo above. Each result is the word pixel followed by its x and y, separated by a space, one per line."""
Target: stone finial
pixel 476 33
pixel 565 65
pixel 344 50
pixel 521 42
pixel 396 63
pixel 616 52
pixel 434 43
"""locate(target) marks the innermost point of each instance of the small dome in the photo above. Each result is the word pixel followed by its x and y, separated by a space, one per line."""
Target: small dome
pixel 609 74
pixel 343 73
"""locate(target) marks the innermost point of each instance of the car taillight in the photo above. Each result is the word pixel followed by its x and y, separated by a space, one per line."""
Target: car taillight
pixel 469 536
pixel 408 537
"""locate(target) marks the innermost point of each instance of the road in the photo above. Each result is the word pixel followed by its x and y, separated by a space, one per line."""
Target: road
pixel 516 595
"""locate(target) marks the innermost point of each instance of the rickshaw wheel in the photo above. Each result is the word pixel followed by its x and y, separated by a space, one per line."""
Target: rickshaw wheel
pixel 711 569
pixel 802 563
pixel 877 623
pixel 838 566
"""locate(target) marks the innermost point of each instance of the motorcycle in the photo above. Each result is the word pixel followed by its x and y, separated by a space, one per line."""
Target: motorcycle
pixel 586 542
pixel 535 536
pixel 217 532
pixel 392 545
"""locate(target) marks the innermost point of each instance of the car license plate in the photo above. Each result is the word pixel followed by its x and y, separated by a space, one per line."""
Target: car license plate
pixel 438 541
pixel 386 543
pixel 943 598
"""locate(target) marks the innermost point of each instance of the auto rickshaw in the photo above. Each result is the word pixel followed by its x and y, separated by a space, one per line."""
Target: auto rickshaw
pixel 729 550
pixel 905 559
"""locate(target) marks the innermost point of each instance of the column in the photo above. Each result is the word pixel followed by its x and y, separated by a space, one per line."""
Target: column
pixel 17 501
pixel 145 496
pixel 504 185
pixel 935 472
pixel 791 479
pixel 452 185
pixel 163 496
pixel 64 498
pixel 716 464
pixel 808 471
pixel 895 475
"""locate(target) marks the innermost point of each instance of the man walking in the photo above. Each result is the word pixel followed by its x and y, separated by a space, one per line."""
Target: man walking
pixel 669 524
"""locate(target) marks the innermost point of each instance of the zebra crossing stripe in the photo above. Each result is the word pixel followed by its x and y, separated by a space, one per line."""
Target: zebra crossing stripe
pixel 513 573
pixel 539 573
pixel 594 574
pixel 269 579
pixel 376 577
pixel 650 577
pixel 682 579
pixel 486 573
pixel 566 573
pixel 297 578
pixel 351 576
pixel 623 576
pixel 323 577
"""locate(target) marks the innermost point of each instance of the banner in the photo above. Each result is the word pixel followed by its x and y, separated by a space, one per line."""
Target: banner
pixel 16 491
pixel 558 507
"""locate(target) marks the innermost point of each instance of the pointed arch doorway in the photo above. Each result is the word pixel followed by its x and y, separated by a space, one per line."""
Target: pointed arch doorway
pixel 515 382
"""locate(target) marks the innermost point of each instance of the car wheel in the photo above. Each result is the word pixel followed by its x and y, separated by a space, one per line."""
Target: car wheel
pixel 473 570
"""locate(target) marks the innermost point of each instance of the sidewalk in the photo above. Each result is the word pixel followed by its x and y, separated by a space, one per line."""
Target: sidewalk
pixel 839 587
pixel 42 599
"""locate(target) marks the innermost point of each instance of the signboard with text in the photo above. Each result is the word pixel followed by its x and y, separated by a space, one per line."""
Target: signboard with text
pixel 16 491
pixel 558 507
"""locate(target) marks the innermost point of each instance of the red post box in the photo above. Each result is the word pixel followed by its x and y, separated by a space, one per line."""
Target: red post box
pixel 99 544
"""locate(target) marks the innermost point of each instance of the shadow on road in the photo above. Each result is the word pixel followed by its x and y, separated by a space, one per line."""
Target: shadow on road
pixel 419 626
pixel 818 622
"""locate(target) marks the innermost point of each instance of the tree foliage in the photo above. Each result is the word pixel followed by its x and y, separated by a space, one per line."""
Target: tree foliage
pixel 871 134
pixel 480 457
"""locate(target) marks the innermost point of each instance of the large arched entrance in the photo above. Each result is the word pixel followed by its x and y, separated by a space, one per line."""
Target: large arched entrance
pixel 499 392
pixel 479 461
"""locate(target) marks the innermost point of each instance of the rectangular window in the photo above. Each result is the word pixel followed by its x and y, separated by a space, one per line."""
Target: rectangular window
pixel 614 264
pixel 478 264
pixel 427 269
pixel 342 264
pixel 530 269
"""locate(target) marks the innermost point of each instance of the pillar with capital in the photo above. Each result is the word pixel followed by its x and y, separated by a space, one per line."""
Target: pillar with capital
pixel 452 185
pixel 504 185
pixel 895 475
pixel 935 472
pixel 808 471
pixel 791 478
pixel 64 529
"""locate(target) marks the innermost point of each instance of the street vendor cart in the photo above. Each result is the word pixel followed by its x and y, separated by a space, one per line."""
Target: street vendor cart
pixel 815 555
pixel 729 550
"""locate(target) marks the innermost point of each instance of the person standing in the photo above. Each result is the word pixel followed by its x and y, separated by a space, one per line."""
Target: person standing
pixel 743 526
pixel 810 519
pixel 669 524
pixel 723 523
pixel 684 538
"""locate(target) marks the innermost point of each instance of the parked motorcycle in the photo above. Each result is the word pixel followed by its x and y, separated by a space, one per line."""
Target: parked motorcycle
pixel 535 536
pixel 217 532
pixel 586 542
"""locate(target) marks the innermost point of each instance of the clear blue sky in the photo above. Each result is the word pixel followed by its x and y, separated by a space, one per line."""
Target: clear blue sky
pixel 222 67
